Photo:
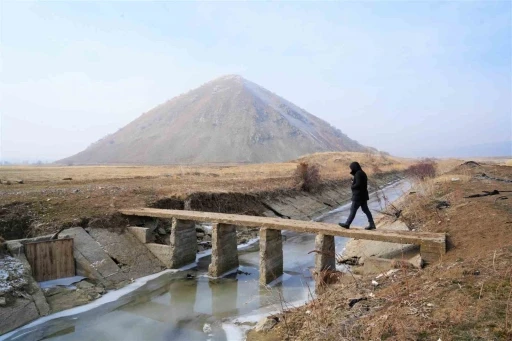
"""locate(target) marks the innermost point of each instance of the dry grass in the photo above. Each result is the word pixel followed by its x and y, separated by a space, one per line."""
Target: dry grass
pixel 334 165
pixel 96 191
pixel 466 296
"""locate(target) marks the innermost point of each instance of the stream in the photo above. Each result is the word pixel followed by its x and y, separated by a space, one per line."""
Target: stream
pixel 188 305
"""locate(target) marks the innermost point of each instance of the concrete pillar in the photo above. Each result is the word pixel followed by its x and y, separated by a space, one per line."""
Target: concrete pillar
pixel 224 250
pixel 325 257
pixel 432 251
pixel 271 255
pixel 183 243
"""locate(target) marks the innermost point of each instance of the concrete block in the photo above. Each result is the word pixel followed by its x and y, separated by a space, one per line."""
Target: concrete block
pixel 162 252
pixel 325 258
pixel 132 256
pixel 183 243
pixel 224 250
pixel 91 251
pixel 142 233
pixel 21 312
pixel 375 265
pixel 271 255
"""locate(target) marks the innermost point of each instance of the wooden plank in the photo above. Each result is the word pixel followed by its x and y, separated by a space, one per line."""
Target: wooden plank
pixel 401 237
pixel 51 259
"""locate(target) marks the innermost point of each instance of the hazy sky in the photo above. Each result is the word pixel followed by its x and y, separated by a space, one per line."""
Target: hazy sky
pixel 405 77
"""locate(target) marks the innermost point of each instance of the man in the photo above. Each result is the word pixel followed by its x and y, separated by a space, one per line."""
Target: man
pixel 360 196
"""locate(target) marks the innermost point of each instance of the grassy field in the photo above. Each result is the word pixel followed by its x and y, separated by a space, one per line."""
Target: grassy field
pixel 331 165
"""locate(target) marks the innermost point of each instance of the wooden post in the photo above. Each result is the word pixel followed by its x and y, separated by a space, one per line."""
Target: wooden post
pixel 224 250
pixel 271 255
pixel 325 258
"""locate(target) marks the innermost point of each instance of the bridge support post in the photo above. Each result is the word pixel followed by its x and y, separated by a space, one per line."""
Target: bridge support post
pixel 431 251
pixel 183 243
pixel 271 255
pixel 224 250
pixel 325 258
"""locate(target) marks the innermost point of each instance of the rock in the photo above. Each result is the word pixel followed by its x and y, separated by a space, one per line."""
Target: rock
pixel 375 283
pixel 207 329
pixel 76 190
pixel 266 324
pixel 19 182
pixel 84 285
pixel 161 231
pixel 48 292
pixel 349 260
pixel 353 301
pixel 417 262
pixel 200 234
pixel 99 290
pixel 3 302
pixel 67 179
pixel 401 264
pixel 207 238
pixel 21 312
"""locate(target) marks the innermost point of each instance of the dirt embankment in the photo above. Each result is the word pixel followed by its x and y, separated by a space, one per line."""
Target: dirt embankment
pixel 465 296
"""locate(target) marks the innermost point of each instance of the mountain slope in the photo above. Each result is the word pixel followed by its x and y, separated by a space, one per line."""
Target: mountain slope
pixel 229 119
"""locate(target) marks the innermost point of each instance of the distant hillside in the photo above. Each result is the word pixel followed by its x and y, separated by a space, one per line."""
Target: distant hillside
pixel 229 119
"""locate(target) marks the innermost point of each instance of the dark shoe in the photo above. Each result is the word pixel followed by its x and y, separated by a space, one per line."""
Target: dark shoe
pixel 344 225
pixel 371 227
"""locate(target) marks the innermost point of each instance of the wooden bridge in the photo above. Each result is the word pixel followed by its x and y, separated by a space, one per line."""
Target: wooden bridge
pixel 183 245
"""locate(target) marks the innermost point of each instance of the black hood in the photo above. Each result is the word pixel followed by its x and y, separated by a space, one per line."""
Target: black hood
pixel 354 167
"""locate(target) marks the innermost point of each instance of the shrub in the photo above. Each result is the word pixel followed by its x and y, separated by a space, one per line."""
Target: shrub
pixel 422 170
pixel 307 176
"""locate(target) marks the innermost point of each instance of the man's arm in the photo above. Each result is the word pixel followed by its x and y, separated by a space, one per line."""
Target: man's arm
pixel 357 181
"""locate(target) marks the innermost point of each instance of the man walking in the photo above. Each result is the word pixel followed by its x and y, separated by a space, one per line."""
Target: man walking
pixel 360 196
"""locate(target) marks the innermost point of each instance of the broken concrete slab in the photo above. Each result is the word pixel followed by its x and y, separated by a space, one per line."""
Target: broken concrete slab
pixel 16 314
pixel 90 253
pixel 133 257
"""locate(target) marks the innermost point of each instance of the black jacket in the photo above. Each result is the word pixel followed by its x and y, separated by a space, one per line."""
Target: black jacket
pixel 359 183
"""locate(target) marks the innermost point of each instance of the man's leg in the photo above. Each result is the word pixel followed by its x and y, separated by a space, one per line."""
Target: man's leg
pixel 353 210
pixel 366 210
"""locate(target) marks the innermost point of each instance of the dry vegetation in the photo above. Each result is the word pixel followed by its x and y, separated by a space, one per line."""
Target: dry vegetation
pixel 466 296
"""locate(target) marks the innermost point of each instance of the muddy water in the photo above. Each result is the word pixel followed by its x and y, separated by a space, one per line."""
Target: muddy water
pixel 188 305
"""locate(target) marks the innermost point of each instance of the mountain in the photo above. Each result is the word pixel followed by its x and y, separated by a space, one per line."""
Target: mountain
pixel 229 119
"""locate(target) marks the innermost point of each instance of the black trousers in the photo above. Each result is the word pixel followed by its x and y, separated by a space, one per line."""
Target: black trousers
pixel 353 209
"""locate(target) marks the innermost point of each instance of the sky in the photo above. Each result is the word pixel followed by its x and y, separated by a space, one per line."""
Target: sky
pixel 409 78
